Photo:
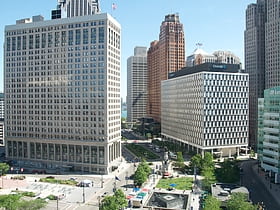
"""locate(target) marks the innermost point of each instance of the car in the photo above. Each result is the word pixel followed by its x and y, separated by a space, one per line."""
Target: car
pixel 73 178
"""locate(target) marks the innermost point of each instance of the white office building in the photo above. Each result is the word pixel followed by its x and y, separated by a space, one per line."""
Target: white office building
pixel 205 108
pixel 137 78
pixel 62 93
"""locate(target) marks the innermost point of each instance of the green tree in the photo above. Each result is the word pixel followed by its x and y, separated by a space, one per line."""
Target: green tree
pixel 180 160
pixel 4 167
pixel 32 204
pixel 238 201
pixel 140 176
pixel 145 166
pixel 207 161
pixel 228 172
pixel 212 203
pixel 120 198
pixel 209 177
pixel 196 161
pixel 9 202
pixel 117 201
pixel 108 203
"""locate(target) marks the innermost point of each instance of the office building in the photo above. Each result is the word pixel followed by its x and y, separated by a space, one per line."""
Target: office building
pixel 62 94
pixel 74 8
pixel 205 108
pixel 164 56
pixel 2 142
pixel 199 56
pixel 254 42
pixel 137 78
pixel 268 130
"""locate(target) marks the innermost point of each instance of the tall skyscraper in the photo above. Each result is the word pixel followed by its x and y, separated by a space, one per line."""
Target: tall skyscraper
pixel 2 143
pixel 255 62
pixel 137 78
pixel 74 8
pixel 164 56
pixel 62 94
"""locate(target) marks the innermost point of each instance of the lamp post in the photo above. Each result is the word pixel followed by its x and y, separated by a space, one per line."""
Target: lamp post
pixel 101 181
pixel 84 199
pixel 99 198
pixel 126 179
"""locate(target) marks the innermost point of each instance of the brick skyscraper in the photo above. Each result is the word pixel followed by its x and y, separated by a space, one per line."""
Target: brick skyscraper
pixel 164 56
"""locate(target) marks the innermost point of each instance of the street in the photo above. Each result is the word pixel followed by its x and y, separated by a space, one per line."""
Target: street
pixel 258 191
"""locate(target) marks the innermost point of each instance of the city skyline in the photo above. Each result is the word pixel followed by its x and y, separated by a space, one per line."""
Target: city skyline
pixel 202 24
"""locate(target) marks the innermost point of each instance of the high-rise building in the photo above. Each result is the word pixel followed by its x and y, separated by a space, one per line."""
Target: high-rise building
pixel 205 108
pixel 268 132
pixel 62 94
pixel 254 42
pixel 2 142
pixel 137 78
pixel 164 56
pixel 74 8
pixel 199 56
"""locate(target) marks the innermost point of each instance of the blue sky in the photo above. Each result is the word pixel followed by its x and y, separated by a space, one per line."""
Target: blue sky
pixel 217 24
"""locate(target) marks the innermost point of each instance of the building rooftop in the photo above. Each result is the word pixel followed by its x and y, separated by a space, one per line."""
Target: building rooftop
pixel 209 67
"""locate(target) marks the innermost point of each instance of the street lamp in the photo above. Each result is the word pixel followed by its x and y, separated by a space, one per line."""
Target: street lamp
pixel 101 181
pixel 84 200
pixel 126 179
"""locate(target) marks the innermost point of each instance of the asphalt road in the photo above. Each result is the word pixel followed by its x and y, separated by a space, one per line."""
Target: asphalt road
pixel 258 191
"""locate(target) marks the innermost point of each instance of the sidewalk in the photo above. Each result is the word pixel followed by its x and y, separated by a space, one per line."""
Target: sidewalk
pixel 273 188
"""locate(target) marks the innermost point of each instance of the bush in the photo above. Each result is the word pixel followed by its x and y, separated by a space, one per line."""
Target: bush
pixel 52 197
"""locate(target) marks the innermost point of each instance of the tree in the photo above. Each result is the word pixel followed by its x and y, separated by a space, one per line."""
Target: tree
pixel 120 198
pixel 207 161
pixel 108 203
pixel 212 203
pixel 209 177
pixel 4 168
pixel 140 176
pixel 180 160
pixel 145 166
pixel 239 201
pixel 196 161
pixel 117 201
pixel 229 172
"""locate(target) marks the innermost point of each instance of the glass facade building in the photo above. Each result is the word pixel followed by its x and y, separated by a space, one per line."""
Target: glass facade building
pixel 269 132
pixel 62 94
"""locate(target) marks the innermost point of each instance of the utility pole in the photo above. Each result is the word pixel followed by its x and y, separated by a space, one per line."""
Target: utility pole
pixel 126 179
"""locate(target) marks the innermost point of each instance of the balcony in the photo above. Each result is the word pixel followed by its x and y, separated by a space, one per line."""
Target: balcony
pixel 271 153
pixel 269 137
pixel 270 160
pixel 271 123
pixel 270 145
pixel 269 114
pixel 271 130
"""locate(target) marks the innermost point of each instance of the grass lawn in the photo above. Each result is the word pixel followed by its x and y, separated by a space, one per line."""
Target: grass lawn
pixel 58 181
pixel 140 151
pixel 182 183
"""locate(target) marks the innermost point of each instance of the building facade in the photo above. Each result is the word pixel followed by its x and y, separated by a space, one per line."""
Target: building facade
pixel 254 43
pixel 2 142
pixel 137 82
pixel 199 56
pixel 74 8
pixel 269 139
pixel 164 56
pixel 205 108
pixel 62 94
